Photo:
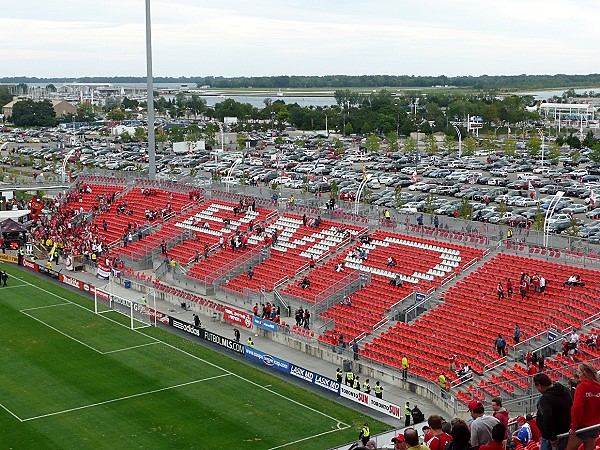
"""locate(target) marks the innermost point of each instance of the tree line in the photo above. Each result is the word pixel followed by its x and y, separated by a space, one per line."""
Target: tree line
pixel 522 81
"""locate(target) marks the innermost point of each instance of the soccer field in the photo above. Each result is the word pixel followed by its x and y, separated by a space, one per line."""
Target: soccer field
pixel 71 379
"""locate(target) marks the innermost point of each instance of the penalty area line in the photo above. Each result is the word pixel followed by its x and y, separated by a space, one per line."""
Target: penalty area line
pixel 345 427
pixel 140 394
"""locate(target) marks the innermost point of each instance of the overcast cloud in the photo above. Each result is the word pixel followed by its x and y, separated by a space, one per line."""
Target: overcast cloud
pixel 267 37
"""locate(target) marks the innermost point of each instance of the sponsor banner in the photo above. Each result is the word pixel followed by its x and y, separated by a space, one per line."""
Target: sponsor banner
pixel 326 383
pixel 51 273
pixel 71 281
pixel 30 265
pixel 264 324
pixel 265 358
pixel 223 342
pixel 302 373
pixel 160 317
pixel 372 402
pixel 14 259
pixel 185 327
pixel 238 317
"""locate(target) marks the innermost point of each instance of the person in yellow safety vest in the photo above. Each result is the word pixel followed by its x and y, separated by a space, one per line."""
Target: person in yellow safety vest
pixel 407 414
pixel 349 378
pixel 509 233
pixel 405 367
pixel 378 390
pixel 364 434
pixel 443 383
pixel 173 263
pixel 356 383
pixel 250 343
pixel 49 265
pixel 292 200
pixel 366 387
pixel 387 215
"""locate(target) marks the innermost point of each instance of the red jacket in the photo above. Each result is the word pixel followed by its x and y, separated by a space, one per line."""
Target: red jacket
pixel 586 404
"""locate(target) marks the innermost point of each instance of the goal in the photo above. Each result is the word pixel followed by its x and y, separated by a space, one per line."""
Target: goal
pixel 141 311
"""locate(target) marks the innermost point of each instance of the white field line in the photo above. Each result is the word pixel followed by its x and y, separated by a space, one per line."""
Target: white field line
pixel 338 422
pixel 345 427
pixel 10 412
pixel 63 333
pixel 42 307
pixel 129 348
pixel 11 287
pixel 140 394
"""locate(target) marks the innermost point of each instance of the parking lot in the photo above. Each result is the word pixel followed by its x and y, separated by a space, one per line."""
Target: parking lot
pixel 489 187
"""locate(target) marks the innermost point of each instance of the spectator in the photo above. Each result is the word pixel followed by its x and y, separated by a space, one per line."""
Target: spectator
pixel 417 415
pixel 500 413
pixel 443 384
pixel 573 280
pixel 355 349
pixel 500 345
pixel 399 442
pixel 509 288
pixel 304 283
pixel 481 427
pixel 500 290
pixel 341 343
pixel 391 262
pixel 498 433
pixel 250 273
pixel 586 409
pixel 523 434
pixel 439 438
pixel 535 431
pixel 461 436
pixel 591 339
pixel 412 440
pixel 553 412
pixel 517 334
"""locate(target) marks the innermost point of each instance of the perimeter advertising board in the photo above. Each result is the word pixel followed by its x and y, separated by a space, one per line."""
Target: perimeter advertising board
pixel 372 402
pixel 237 317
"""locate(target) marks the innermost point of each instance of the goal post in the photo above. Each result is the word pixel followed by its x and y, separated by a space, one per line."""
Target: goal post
pixel 141 311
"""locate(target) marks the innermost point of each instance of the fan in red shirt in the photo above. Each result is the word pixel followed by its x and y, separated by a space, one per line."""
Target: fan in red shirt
pixel 439 439
pixel 586 408
pixel 536 434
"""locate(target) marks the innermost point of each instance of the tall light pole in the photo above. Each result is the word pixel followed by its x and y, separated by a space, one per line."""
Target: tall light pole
pixel 541 133
pixel 459 140
pixel 150 93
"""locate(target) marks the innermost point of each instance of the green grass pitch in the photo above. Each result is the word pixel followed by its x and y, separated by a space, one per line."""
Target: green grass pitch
pixel 71 379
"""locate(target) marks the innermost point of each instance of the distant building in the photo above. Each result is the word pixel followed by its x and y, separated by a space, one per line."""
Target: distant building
pixel 571 114
pixel 61 107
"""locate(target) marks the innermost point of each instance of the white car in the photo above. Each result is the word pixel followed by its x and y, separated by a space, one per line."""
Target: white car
pixel 528 177
pixel 579 173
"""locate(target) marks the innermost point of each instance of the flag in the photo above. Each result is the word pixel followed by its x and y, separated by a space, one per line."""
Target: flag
pixel 325 179
pixel 592 198
pixel 473 180
pixel 364 173
pixel 414 177
pixel 532 192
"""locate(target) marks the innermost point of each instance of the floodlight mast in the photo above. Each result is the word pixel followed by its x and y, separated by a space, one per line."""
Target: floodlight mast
pixel 150 94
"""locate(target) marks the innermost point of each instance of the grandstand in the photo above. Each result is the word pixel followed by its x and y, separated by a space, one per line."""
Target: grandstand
pixel 456 273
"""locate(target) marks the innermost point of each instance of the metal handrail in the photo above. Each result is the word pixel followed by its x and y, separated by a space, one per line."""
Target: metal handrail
pixel 591 427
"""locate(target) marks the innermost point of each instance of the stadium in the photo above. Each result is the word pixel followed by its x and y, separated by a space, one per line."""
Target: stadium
pixel 162 315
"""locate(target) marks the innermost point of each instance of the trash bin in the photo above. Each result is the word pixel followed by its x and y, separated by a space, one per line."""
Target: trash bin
pixel 127 284
pixel 347 365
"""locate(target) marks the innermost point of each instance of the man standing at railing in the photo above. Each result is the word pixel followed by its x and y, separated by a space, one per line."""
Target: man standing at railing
pixel 553 412
pixel 405 367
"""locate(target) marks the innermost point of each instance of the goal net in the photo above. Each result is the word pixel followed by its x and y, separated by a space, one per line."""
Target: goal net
pixel 139 311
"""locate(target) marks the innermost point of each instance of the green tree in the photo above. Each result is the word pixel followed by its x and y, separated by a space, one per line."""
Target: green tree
pixel 115 114
pixel 410 145
pixel 392 138
pixel 348 129
pixel 538 222
pixel 398 197
pixel 125 137
pixel 29 113
pixel 466 210
pixel 554 153
pixel 502 209
pixel 429 205
pixel 140 134
pixel 595 153
pixel 50 88
pixel 5 95
pixel 334 190
pixel 449 143
pixel 241 140
pixel 509 147
pixel 85 113
pixel 573 230
pixel 489 143
pixel 534 145
pixel 431 147
pixel 468 146
pixel 372 143
pixel 575 154
pixel 176 134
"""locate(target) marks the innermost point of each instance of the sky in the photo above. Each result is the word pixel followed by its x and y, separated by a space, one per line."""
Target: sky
pixel 65 38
